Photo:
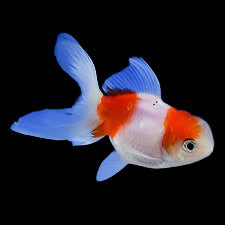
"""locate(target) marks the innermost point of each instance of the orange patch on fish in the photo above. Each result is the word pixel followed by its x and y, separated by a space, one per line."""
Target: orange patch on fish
pixel 179 125
pixel 115 112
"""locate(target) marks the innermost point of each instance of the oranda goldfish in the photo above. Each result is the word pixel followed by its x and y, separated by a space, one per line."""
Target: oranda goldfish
pixel 143 129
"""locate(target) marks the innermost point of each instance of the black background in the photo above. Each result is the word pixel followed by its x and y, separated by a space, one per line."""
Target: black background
pixel 181 46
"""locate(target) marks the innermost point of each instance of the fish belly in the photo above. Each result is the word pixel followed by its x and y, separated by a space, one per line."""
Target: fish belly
pixel 141 142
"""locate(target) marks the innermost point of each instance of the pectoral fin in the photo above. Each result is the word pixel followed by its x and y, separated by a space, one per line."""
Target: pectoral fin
pixel 111 165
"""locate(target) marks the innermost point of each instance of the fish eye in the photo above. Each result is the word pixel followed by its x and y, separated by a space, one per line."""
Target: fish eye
pixel 189 145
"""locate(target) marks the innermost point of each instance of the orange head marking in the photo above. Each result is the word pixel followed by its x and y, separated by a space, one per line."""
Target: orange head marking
pixel 179 126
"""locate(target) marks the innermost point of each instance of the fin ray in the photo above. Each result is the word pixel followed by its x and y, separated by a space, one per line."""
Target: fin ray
pixel 75 61
pixel 74 124
pixel 48 123
pixel 56 124
pixel 137 77
pixel 110 166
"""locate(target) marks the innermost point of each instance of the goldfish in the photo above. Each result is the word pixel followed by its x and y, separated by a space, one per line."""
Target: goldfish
pixel 144 130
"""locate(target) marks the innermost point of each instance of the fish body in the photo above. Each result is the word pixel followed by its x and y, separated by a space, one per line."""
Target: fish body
pixel 143 129
pixel 138 139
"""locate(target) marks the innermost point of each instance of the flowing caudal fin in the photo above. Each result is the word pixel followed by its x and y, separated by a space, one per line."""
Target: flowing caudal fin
pixel 74 124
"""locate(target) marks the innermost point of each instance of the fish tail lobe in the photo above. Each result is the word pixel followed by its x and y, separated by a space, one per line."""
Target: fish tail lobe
pixel 76 123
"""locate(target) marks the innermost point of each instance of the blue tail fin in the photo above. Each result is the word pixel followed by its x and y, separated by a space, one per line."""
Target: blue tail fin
pixel 74 124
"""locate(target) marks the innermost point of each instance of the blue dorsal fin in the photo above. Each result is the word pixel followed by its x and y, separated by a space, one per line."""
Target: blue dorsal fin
pixel 111 165
pixel 137 77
